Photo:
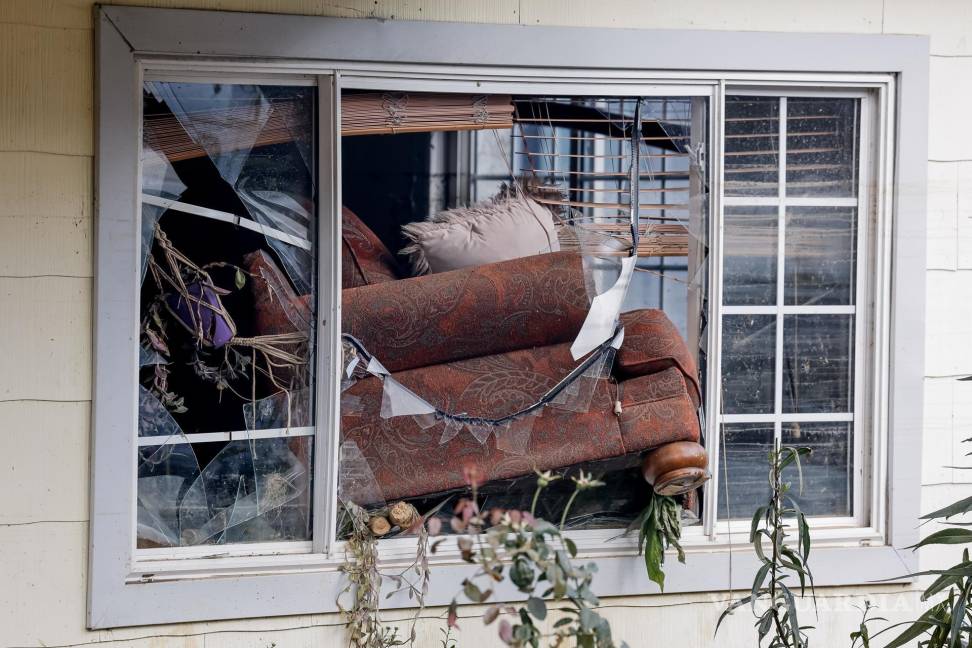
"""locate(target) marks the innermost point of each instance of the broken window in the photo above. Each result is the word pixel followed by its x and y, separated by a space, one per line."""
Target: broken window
pixel 227 312
pixel 525 286
pixel 521 297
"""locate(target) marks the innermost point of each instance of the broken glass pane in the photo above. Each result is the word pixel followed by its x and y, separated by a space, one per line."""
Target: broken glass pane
pixel 228 316
pixel 464 350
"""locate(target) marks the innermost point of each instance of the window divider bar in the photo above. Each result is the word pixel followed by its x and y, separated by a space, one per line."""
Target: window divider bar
pixel 790 417
pixel 794 201
pixel 233 435
pixel 790 309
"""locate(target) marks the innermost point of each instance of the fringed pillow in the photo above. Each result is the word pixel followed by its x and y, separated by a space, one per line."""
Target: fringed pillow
pixel 506 227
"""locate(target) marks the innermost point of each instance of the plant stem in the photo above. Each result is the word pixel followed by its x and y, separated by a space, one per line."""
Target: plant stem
pixel 776 542
pixel 570 502
pixel 536 497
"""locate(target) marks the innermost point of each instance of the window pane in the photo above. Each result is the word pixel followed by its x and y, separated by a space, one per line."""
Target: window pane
pixel 821 146
pixel 745 486
pixel 752 146
pixel 750 241
pixel 821 255
pixel 818 363
pixel 827 472
pixel 227 314
pixel 748 363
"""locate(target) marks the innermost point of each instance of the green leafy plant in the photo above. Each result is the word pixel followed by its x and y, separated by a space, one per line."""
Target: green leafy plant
pixel 537 557
pixel 948 623
pixel 861 638
pixel 659 527
pixel 778 560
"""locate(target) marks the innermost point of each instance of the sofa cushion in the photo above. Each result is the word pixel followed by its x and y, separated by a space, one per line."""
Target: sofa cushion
pixel 420 321
pixel 364 258
pixel 409 460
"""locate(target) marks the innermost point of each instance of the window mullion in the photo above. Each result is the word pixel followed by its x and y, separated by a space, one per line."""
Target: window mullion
pixel 780 268
pixel 328 326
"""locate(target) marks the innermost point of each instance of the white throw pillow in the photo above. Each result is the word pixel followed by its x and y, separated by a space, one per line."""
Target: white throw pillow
pixel 497 230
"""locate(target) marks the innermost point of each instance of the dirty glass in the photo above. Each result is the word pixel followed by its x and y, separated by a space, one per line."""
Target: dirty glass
pixel 791 234
pixel 226 334
pixel 752 144
pixel 749 257
pixel 821 255
pixel 499 315
pixel 748 363
pixel 822 146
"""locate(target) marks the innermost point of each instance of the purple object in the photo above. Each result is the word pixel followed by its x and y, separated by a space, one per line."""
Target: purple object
pixel 203 315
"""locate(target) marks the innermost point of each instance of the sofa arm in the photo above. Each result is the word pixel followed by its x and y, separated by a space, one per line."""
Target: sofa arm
pixel 470 313
pixel 653 344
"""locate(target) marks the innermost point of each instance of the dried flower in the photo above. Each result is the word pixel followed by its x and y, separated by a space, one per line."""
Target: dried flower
pixel 585 481
pixel 546 477
pixel 379 526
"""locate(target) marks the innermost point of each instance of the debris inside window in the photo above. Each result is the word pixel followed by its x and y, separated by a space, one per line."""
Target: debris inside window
pixel 546 315
pixel 501 329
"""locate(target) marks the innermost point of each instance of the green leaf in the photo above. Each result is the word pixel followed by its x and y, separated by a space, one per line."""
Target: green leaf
pixel 537 607
pixel 732 606
pixel 239 280
pixel 571 547
pixel 758 583
pixel 946 537
pixel 755 524
pixel 922 625
pixel 957 508
pixel 472 592
pixel 654 554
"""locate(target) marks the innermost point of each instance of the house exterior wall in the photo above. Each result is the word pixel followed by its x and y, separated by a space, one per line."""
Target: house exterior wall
pixel 46 267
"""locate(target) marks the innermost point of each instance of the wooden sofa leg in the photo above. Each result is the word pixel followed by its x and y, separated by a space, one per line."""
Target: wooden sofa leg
pixel 676 468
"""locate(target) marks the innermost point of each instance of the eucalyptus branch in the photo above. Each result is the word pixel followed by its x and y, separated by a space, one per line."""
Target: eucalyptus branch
pixel 532 553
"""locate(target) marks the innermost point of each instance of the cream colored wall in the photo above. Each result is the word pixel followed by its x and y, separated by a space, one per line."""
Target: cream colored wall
pixel 46 148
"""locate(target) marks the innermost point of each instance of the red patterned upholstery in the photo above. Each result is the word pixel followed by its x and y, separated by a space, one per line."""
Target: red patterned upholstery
pixel 408 460
pixel 488 341
pixel 467 313
pixel 364 258
pixel 652 343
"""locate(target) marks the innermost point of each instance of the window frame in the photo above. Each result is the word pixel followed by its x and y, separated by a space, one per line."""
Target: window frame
pixel 128 589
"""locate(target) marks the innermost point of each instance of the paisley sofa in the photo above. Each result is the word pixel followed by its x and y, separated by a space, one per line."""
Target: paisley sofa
pixel 488 341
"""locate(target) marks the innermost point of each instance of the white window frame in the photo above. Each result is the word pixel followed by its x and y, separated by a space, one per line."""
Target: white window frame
pixel 129 587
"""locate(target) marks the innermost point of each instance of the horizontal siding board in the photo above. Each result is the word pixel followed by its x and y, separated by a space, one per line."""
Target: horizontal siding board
pixel 46 77
pixel 44 462
pixel 45 339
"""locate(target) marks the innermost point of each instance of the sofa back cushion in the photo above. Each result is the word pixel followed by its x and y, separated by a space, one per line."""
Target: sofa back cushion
pixel 364 258
pixel 469 313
